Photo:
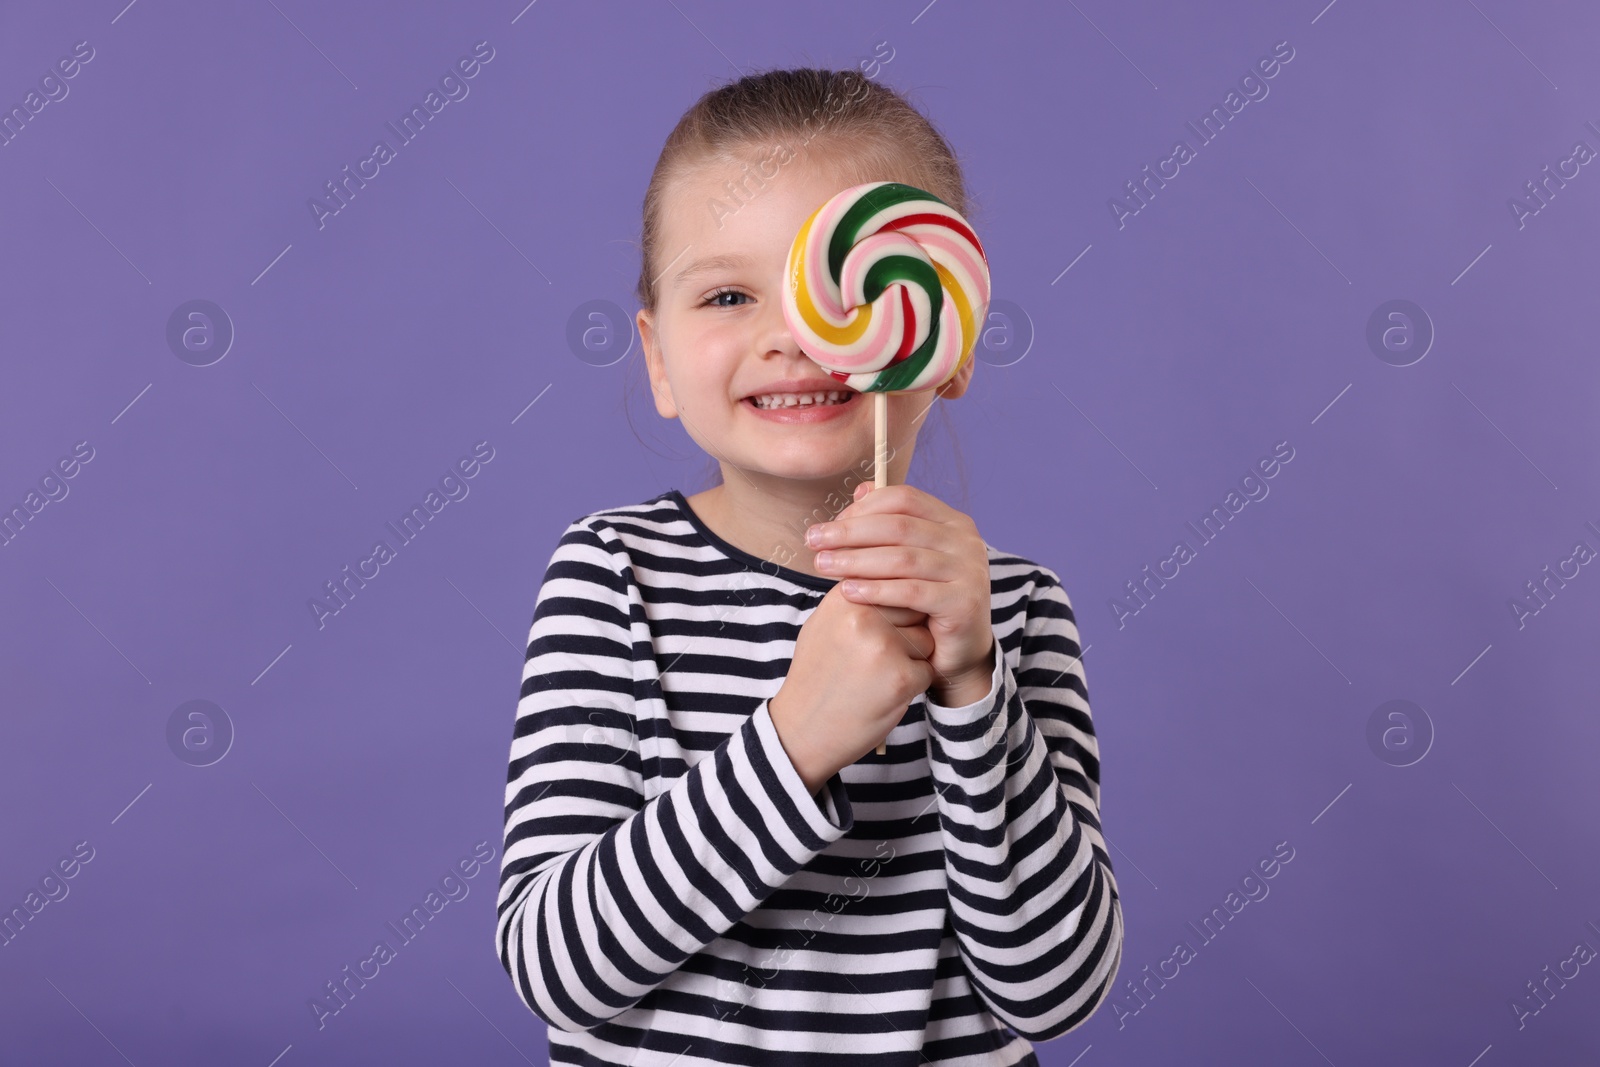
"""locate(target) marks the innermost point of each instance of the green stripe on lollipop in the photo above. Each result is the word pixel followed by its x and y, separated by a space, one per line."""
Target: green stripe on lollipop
pixel 848 231
pixel 897 376
pixel 898 269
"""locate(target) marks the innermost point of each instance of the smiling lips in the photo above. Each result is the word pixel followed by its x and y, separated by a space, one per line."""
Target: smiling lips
pixel 768 401
pixel 804 407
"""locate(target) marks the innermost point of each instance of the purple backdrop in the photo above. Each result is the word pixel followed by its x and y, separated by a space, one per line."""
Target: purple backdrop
pixel 1379 260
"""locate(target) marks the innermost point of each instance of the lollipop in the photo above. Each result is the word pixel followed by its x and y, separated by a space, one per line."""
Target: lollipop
pixel 888 287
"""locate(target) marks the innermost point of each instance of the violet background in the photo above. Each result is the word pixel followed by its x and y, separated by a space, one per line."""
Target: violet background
pixel 434 309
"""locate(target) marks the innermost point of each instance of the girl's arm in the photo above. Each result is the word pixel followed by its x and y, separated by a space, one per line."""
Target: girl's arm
pixel 1017 779
pixel 603 894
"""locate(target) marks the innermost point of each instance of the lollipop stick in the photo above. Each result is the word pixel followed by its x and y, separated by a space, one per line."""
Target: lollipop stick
pixel 880 466
pixel 880 453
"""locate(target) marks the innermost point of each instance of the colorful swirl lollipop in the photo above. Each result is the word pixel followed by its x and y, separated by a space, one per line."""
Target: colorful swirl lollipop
pixel 888 287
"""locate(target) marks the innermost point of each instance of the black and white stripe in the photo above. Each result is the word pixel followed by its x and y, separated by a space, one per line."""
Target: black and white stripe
pixel 669 891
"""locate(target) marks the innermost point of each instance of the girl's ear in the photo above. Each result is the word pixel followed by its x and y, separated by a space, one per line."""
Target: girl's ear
pixel 957 385
pixel 659 386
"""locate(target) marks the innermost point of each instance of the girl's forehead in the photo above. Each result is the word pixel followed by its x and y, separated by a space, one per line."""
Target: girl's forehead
pixel 752 205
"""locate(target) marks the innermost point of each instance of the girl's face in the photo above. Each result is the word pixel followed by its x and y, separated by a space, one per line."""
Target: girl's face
pixel 718 338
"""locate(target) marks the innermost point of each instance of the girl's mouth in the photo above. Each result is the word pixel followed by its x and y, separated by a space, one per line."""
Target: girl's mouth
pixel 802 407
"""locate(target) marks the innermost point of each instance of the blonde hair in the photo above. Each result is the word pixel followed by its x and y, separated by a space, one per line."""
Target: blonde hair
pixel 869 129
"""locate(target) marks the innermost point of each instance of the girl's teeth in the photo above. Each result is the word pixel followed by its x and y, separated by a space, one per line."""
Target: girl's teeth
pixel 792 400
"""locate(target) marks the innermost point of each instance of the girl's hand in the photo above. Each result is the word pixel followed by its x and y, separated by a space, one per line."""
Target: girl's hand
pixel 903 548
pixel 856 668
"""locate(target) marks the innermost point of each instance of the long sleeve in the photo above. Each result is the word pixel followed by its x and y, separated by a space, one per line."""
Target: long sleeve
pixel 604 894
pixel 1033 898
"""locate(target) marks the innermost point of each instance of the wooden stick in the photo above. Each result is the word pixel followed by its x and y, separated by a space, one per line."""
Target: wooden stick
pixel 880 454
pixel 880 466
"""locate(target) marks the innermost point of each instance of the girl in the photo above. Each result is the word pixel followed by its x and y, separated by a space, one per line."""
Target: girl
pixel 704 856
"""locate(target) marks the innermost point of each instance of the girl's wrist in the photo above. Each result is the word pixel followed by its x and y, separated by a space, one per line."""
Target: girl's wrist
pixel 969 687
pixel 795 749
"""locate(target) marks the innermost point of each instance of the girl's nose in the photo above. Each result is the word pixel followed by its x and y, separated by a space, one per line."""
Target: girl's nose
pixel 775 334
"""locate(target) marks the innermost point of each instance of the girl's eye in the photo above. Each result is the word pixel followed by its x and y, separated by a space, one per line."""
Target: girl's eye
pixel 711 300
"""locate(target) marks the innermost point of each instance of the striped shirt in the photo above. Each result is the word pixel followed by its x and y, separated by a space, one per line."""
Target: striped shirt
pixel 671 893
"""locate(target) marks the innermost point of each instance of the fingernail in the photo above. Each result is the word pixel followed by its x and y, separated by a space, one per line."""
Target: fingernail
pixel 824 559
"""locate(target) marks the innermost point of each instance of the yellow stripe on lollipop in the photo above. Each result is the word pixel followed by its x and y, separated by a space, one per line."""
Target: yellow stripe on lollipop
pixel 963 302
pixel 826 331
